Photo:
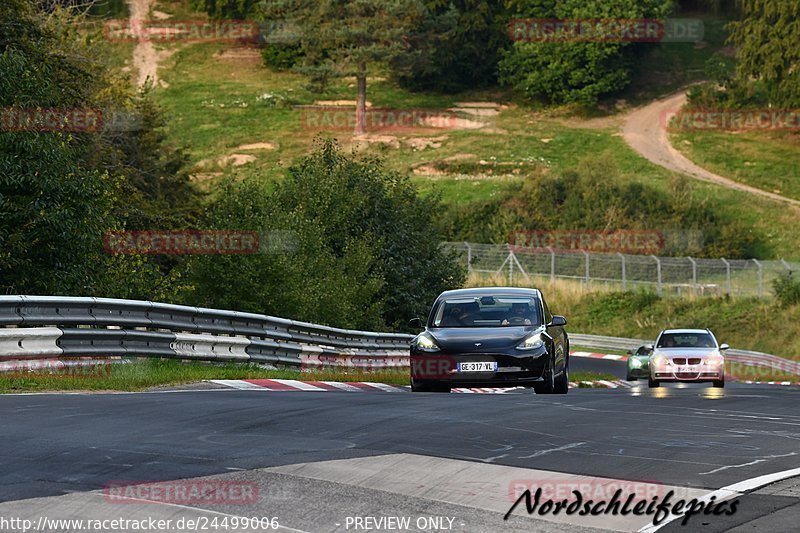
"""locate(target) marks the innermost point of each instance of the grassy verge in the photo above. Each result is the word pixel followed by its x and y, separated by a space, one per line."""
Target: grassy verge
pixel 145 374
pixel 590 376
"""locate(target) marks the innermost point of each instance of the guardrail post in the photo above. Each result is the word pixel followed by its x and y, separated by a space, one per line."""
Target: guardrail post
pixel 760 277
pixel 727 275
pixel 694 274
pixel 624 278
pixel 586 255
pixel 658 271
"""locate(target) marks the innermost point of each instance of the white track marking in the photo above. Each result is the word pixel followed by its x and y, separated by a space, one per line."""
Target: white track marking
pixel 731 491
pixel 236 384
pixel 301 385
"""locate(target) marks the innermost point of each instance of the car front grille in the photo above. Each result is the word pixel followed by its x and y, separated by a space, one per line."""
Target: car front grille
pixel 679 360
pixel 694 361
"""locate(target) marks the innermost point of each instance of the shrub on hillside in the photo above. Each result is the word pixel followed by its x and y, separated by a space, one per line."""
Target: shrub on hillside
pixel 787 289
pixel 593 197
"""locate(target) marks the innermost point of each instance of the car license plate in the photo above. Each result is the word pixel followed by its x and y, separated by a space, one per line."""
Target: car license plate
pixel 478 366
pixel 686 369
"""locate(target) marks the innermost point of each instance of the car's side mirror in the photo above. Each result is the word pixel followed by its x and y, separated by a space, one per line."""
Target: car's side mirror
pixel 723 347
pixel 415 323
pixel 629 352
pixel 558 320
pixel 649 347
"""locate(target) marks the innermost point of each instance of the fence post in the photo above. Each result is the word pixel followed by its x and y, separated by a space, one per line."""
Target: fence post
pixel 469 257
pixel 510 269
pixel 727 275
pixel 760 277
pixel 624 278
pixel 694 274
pixel 786 265
pixel 552 265
pixel 658 270
pixel 586 255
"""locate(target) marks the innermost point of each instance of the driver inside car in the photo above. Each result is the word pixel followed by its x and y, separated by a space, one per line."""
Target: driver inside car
pixel 518 316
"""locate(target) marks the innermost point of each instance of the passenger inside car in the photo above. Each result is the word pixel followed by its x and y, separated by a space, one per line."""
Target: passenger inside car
pixel 461 315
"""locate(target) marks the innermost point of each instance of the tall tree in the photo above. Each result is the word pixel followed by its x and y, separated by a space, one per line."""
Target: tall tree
pixel 769 48
pixel 574 70
pixel 345 38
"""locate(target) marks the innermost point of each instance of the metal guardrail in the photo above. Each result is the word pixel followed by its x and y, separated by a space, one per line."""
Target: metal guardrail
pixel 740 356
pixel 40 327
pixel 52 326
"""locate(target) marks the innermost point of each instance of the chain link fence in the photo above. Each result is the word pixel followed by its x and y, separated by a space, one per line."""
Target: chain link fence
pixel 664 275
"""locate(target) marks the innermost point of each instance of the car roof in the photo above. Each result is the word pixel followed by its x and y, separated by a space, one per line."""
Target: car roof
pixel 494 291
pixel 686 331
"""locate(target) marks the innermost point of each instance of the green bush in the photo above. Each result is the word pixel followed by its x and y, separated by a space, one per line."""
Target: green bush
pixel 566 71
pixel 228 9
pixel 787 289
pixel 593 197
pixel 361 249
pixel 279 56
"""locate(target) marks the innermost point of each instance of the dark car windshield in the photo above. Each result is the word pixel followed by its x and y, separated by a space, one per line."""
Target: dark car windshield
pixel 686 340
pixel 487 312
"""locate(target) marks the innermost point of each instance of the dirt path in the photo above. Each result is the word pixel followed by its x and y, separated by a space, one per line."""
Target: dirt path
pixel 145 57
pixel 645 132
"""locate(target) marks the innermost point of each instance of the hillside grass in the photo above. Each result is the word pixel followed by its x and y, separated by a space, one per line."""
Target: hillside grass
pixel 768 161
pixel 743 323
pixel 212 100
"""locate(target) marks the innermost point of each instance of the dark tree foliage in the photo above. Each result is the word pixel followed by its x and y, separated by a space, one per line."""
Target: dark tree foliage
pixel 769 49
pixel 60 191
pixel 228 9
pixel 563 71
pixel 347 243
pixel 457 49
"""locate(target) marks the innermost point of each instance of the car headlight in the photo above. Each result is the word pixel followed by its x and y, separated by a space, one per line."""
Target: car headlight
pixel 714 361
pixel 531 343
pixel 660 360
pixel 635 362
pixel 426 343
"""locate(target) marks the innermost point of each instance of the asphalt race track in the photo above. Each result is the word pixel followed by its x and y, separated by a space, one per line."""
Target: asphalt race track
pixel 453 461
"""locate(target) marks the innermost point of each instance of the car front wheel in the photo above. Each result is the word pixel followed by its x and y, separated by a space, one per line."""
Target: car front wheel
pixel 549 384
pixel 653 384
pixel 562 383
pixel 719 384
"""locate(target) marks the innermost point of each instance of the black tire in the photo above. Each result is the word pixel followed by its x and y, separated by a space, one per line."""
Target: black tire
pixel 628 377
pixel 549 381
pixel 441 387
pixel 720 384
pixel 561 385
pixel 653 384
pixel 420 386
